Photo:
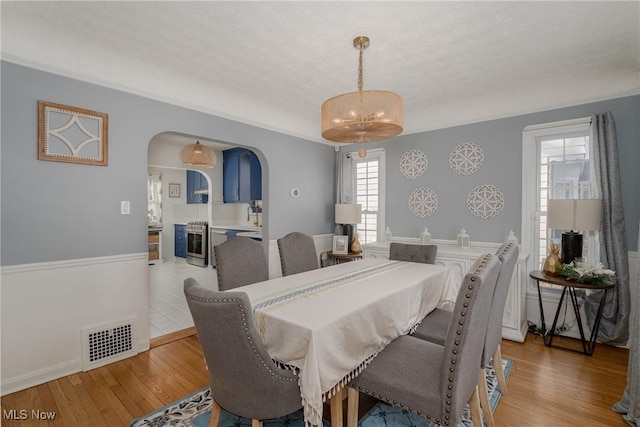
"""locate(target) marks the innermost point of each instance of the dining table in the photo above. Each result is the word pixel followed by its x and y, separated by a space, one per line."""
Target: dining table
pixel 327 324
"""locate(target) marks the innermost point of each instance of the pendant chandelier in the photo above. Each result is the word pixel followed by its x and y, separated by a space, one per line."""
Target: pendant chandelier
pixel 362 116
pixel 198 155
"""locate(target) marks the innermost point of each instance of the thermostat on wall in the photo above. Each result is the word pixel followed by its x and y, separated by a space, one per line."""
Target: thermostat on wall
pixel 294 192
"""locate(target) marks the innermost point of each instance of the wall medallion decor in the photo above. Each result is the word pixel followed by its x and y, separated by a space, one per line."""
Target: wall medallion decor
pixel 485 201
pixel 466 158
pixel 423 202
pixel 73 135
pixel 413 164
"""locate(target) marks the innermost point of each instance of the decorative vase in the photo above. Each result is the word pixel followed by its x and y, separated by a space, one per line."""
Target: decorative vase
pixel 356 248
pixel 552 263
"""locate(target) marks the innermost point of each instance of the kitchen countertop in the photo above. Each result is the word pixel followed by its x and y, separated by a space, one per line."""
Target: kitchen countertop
pixel 237 227
pixel 251 234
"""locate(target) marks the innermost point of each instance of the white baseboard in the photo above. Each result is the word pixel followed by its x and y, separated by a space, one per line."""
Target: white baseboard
pixel 40 376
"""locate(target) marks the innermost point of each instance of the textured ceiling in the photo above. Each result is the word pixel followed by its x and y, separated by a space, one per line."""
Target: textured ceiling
pixel 272 64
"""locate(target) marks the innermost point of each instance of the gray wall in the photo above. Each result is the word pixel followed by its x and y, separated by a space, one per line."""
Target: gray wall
pixel 501 141
pixel 57 211
pixel 54 211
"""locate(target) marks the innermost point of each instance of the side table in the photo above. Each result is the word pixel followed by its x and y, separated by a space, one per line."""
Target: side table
pixel 571 286
pixel 340 258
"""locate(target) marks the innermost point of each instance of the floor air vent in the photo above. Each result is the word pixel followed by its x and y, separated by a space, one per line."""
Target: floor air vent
pixel 108 343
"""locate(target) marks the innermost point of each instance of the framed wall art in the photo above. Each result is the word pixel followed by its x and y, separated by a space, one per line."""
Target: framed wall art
pixel 174 190
pixel 340 245
pixel 72 135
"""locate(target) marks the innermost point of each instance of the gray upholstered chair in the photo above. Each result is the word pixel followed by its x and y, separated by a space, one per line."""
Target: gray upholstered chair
pixel 414 253
pixel 434 381
pixel 297 253
pixel 240 261
pixel 243 378
pixel 434 326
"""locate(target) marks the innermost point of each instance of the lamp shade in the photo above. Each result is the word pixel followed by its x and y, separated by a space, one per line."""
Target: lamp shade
pixel 364 116
pixel 198 155
pixel 574 214
pixel 348 213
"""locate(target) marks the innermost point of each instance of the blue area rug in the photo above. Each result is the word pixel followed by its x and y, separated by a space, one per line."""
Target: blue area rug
pixel 194 411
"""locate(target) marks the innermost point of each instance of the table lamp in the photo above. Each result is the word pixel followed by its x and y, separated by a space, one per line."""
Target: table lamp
pixel 573 214
pixel 348 214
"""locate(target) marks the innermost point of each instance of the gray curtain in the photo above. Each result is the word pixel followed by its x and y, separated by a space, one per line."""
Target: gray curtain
pixel 614 327
pixel 629 405
pixel 344 178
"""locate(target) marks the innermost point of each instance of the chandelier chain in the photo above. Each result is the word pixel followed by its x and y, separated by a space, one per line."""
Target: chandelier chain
pixel 360 78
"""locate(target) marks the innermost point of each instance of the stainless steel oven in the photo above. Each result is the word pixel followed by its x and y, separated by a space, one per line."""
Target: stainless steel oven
pixel 197 247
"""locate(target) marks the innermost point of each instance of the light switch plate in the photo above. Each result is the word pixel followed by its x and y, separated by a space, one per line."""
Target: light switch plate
pixel 125 207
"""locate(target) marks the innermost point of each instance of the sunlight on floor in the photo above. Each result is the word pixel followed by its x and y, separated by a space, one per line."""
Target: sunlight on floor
pixel 169 312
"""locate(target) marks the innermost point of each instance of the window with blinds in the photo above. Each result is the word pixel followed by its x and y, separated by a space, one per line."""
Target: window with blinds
pixel 369 184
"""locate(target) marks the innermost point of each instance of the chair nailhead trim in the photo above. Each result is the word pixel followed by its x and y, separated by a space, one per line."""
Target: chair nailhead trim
pixel 246 329
pixel 453 361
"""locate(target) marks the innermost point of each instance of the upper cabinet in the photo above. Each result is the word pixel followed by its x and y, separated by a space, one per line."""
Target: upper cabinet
pixel 196 188
pixel 242 176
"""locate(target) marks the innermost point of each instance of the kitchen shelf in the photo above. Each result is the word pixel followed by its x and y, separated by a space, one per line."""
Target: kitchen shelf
pixel 154 244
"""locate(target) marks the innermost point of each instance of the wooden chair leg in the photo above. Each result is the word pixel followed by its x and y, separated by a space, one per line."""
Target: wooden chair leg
pixel 336 410
pixel 497 366
pixel 483 394
pixel 474 406
pixel 353 398
pixel 215 414
pixel 256 423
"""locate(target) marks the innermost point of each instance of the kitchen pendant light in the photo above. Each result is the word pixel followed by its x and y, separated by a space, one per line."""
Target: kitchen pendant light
pixel 198 155
pixel 362 116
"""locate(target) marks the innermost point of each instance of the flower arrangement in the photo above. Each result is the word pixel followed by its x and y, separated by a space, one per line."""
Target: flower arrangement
pixel 587 273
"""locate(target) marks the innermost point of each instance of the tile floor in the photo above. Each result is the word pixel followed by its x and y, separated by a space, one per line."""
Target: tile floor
pixel 169 312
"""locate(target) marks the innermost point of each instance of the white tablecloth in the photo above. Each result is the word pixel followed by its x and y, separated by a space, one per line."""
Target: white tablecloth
pixel 330 322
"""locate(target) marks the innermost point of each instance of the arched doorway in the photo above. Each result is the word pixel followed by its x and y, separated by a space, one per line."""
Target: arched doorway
pixel 168 311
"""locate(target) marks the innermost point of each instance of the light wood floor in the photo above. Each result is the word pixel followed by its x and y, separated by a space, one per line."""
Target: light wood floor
pixel 547 387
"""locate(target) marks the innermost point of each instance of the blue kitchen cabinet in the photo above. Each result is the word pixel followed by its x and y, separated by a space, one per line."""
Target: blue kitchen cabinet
pixel 180 240
pixel 242 176
pixel 196 181
pixel 255 177
pixel 232 233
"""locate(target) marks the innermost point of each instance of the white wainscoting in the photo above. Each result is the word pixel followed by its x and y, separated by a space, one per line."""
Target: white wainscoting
pixel 45 306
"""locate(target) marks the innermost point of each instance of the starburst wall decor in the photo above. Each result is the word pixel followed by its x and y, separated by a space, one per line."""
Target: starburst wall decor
pixel 72 135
